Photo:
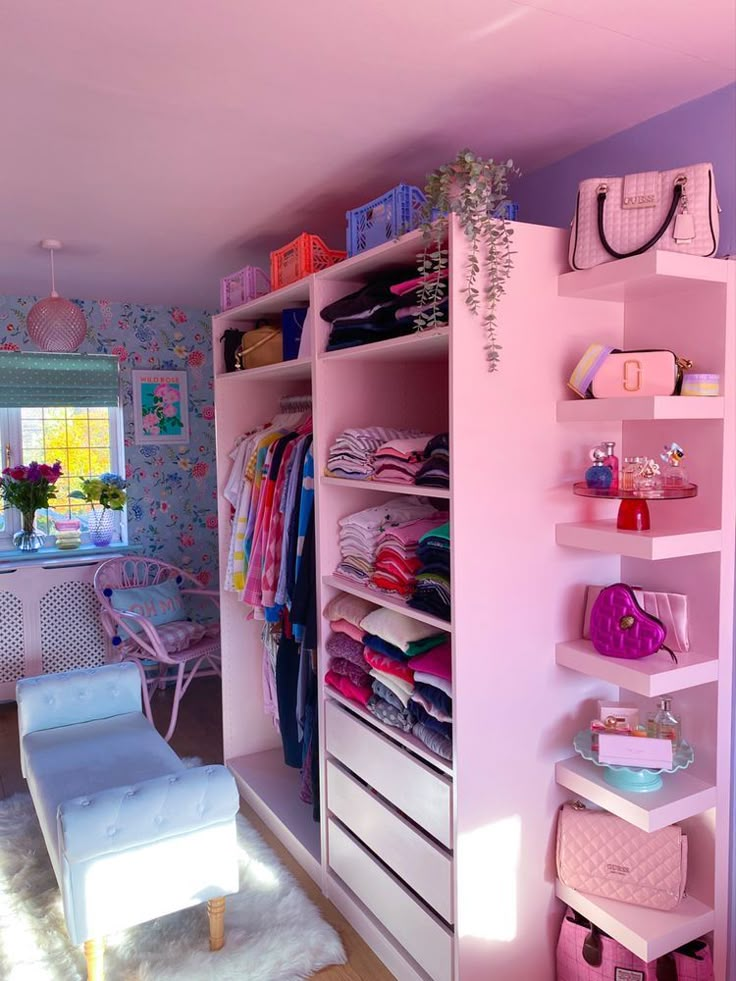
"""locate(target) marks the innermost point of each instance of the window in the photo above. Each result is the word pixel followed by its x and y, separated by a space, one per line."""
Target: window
pixel 86 440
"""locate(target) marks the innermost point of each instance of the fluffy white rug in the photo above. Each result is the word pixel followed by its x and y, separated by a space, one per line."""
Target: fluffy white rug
pixel 273 932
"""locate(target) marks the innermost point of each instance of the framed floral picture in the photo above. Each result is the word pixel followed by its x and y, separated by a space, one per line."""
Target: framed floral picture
pixel 160 407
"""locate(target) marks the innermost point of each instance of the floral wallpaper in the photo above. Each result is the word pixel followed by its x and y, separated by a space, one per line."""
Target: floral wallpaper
pixel 172 495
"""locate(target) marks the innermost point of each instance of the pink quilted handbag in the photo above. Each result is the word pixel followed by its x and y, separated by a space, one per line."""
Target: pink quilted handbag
pixel 584 952
pixel 604 855
pixel 617 217
pixel 619 627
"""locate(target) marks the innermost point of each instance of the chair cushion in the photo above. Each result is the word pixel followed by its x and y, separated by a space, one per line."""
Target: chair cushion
pixel 160 603
pixel 178 636
pixel 83 759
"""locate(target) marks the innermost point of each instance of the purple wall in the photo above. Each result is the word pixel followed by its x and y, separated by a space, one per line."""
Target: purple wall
pixel 696 132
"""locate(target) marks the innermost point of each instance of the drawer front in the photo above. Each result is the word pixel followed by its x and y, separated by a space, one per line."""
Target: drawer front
pixel 427 940
pixel 413 787
pixel 414 857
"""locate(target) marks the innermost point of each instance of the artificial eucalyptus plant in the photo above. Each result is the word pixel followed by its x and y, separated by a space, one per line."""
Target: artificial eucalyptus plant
pixel 476 190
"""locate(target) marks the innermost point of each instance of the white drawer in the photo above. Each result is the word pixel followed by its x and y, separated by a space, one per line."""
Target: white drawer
pixel 420 933
pixel 413 856
pixel 422 793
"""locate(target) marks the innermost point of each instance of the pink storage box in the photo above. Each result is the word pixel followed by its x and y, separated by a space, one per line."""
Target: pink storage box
pixel 243 286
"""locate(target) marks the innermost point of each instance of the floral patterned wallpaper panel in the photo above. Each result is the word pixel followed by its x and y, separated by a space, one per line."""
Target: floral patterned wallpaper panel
pixel 172 495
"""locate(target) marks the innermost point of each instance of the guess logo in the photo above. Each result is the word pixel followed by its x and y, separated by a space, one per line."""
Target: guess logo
pixel 639 201
pixel 625 974
pixel 618 869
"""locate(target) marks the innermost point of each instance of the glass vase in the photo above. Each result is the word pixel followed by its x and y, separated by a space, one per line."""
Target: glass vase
pixel 29 539
pixel 101 527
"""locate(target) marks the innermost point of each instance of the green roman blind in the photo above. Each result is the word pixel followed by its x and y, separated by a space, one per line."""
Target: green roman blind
pixel 37 379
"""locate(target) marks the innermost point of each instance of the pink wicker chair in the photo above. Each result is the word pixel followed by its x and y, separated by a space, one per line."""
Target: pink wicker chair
pixel 202 657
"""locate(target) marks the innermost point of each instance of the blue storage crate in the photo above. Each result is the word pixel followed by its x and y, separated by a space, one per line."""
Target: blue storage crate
pixel 383 219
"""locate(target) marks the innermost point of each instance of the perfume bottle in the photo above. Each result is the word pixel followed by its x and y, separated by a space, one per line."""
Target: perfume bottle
pixel 598 475
pixel 648 480
pixel 667 725
pixel 611 461
pixel 674 473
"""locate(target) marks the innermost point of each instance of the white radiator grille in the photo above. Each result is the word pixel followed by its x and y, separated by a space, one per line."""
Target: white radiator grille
pixel 12 656
pixel 71 633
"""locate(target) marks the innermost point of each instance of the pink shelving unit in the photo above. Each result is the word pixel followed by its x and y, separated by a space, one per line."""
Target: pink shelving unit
pixel 686 304
pixel 446 868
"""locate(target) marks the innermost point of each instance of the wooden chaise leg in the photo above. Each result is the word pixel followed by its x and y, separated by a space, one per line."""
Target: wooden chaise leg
pixel 216 913
pixel 94 951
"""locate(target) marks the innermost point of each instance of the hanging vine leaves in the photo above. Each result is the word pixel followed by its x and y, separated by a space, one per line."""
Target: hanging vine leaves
pixel 476 191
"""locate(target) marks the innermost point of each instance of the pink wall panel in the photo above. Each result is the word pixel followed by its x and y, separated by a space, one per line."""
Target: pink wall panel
pixel 515 593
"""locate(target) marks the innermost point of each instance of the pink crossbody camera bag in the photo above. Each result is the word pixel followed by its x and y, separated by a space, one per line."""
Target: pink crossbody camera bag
pixel 618 217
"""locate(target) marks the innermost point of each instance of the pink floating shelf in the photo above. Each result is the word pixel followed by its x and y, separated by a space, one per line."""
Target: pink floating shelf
pixel 648 933
pixel 648 676
pixel 640 408
pixel 681 796
pixel 604 536
pixel 645 276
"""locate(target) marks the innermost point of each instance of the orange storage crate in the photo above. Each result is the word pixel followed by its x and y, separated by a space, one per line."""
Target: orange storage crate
pixel 306 254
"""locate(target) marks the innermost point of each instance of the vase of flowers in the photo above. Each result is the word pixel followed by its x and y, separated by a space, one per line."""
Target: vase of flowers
pixel 106 494
pixel 29 488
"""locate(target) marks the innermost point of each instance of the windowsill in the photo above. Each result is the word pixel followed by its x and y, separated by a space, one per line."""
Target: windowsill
pixel 51 556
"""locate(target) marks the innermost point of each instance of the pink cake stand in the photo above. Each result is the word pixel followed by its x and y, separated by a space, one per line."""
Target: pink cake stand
pixel 633 512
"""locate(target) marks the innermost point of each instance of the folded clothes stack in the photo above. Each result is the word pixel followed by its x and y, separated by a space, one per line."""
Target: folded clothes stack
pixel 393 642
pixel 430 705
pixel 435 469
pixel 396 562
pixel 352 453
pixel 432 590
pixel 399 460
pixel 359 533
pixel 349 671
pixel 377 312
pixel 396 667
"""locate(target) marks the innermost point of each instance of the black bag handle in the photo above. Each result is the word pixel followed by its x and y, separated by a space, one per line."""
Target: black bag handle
pixel 602 191
pixel 593 947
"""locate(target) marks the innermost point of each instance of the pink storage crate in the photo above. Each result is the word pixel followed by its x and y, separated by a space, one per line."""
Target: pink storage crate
pixel 243 286
pixel 305 255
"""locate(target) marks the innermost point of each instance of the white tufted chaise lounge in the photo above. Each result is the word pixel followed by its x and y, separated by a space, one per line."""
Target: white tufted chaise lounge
pixel 131 832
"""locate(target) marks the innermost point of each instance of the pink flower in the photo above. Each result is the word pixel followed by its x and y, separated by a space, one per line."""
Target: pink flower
pixel 186 541
pixel 9 346
pixel 178 316
pixel 163 506
pixel 169 410
pixel 200 470
pixel 195 359
pixel 10 328
pixel 208 412
pixel 204 577
pixel 128 471
pixel 120 353
pixel 211 521
pixel 150 423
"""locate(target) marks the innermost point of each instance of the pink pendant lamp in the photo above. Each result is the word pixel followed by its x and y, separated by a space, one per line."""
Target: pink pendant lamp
pixel 55 324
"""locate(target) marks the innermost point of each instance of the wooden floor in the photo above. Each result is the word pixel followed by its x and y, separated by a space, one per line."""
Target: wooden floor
pixel 199 733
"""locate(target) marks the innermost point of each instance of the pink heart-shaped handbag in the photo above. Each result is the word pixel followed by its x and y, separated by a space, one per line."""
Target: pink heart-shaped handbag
pixel 619 627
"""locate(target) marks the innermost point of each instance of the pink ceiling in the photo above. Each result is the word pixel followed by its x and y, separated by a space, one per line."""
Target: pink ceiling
pixel 168 142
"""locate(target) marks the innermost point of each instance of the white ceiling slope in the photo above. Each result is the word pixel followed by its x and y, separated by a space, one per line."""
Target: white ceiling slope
pixel 168 142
